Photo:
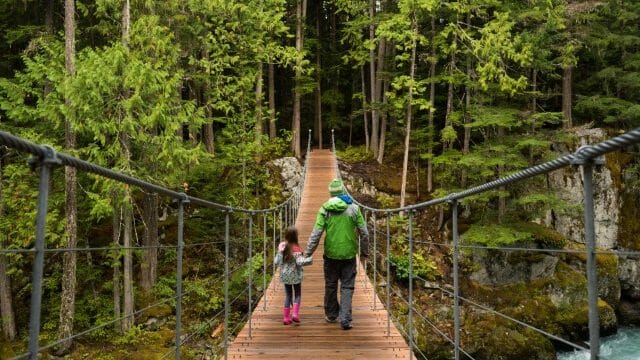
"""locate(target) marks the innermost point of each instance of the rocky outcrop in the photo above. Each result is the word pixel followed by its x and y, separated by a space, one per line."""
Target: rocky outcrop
pixel 568 184
pixel 290 172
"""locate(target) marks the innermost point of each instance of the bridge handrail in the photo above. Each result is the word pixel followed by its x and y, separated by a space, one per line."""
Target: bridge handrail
pixel 586 157
pixel 48 158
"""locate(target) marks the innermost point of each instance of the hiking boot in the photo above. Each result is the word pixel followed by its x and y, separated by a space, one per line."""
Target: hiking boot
pixel 330 319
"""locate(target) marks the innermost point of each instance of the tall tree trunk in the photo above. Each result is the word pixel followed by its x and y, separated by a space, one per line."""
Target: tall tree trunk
pixel 432 101
pixel 383 123
pixel 502 200
pixel 7 316
pixel 207 133
pixel 364 107
pixel 259 120
pixel 149 266
pixel 127 212
pixel 567 96
pixel 67 299
pixel 373 82
pixel 452 63
pixel 317 128
pixel 272 103
pixel 295 127
pixel 407 137
pixel 380 136
pixel 117 286
pixel 467 116
pixel 127 215
pixel 48 18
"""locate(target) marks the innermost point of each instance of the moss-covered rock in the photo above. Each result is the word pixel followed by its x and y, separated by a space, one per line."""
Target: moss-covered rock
pixel 488 336
pixel 556 304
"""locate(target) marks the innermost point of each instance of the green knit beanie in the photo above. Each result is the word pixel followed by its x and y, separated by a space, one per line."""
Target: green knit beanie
pixel 336 188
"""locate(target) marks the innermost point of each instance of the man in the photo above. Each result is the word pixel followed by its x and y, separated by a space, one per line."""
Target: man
pixel 340 217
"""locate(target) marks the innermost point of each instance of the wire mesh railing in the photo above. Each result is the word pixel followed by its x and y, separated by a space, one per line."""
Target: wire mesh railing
pixel 46 160
pixel 586 157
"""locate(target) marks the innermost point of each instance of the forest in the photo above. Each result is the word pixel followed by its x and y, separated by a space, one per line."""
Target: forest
pixel 200 96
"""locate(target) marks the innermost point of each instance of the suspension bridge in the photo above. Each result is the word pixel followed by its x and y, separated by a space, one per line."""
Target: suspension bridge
pixel 377 332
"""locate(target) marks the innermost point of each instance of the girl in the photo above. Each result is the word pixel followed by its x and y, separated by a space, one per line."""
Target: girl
pixel 291 261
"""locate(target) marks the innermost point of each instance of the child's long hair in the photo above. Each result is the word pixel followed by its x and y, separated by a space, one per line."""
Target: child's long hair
pixel 291 236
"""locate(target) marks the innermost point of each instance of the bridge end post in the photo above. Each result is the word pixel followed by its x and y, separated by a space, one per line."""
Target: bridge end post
pixel 46 162
pixel 456 285
pixel 587 163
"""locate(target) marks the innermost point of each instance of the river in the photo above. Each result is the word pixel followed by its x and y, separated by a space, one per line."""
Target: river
pixel 625 345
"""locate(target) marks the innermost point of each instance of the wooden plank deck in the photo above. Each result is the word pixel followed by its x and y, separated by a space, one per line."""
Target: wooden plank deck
pixel 314 338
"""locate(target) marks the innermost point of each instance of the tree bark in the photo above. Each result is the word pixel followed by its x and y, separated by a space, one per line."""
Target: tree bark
pixel 127 212
pixel 295 127
pixel 452 63
pixel 383 123
pixel 128 322
pixel 8 319
pixel 67 298
pixel 373 82
pixel 48 18
pixel 364 107
pixel 317 128
pixel 272 103
pixel 149 266
pixel 567 96
pixel 259 128
pixel 467 116
pixel 407 137
pixel 117 286
pixel 432 101
pixel 502 200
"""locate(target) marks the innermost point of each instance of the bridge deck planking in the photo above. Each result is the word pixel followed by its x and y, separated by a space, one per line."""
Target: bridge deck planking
pixel 314 338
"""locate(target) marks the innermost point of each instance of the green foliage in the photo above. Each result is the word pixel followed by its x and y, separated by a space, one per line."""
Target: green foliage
pixel 513 234
pixel 355 154
pixel 422 267
pixel 495 235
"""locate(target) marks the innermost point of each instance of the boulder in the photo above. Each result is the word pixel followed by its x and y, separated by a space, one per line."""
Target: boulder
pixel 290 172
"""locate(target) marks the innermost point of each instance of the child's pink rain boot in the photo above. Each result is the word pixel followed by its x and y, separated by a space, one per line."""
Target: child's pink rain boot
pixel 286 318
pixel 296 312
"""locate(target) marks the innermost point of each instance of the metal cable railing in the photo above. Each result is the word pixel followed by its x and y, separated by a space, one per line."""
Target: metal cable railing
pixel 47 159
pixel 586 157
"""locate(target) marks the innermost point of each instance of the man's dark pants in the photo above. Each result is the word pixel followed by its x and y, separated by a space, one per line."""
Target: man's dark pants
pixel 345 272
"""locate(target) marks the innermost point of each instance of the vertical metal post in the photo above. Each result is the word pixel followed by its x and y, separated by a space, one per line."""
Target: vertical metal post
pixel 226 283
pixel 273 245
pixel 410 320
pixel 375 262
pixel 46 165
pixel 456 285
pixel 250 268
pixel 264 261
pixel 388 278
pixel 286 215
pixel 281 227
pixel 592 276
pixel 364 264
pixel 180 249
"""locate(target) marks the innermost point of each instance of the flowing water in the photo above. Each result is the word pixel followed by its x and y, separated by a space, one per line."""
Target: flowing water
pixel 625 345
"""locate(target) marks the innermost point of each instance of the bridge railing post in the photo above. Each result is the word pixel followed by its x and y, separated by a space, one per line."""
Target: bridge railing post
pixel 250 286
pixel 264 261
pixel 374 253
pixel 590 242
pixel 410 317
pixel 179 251
pixel 456 285
pixel 226 283
pixel 273 245
pixel 388 260
pixel 46 164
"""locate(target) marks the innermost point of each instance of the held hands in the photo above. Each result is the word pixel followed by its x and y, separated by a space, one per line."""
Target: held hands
pixel 282 246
